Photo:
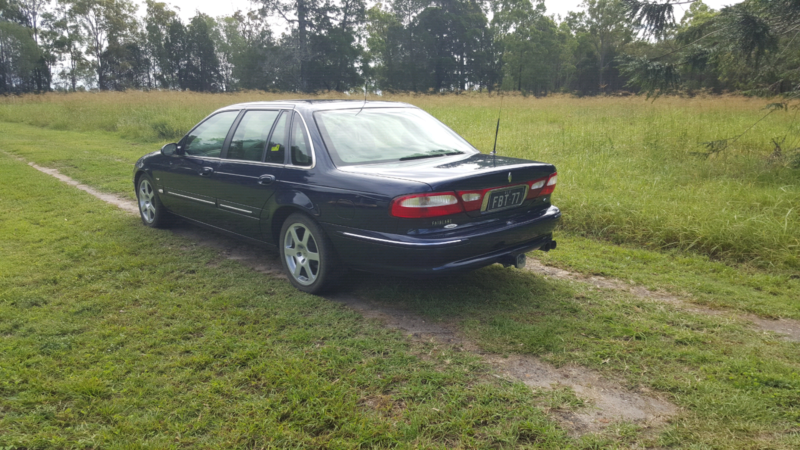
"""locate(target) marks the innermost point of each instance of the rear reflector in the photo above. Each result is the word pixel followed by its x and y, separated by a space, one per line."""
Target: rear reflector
pixel 426 205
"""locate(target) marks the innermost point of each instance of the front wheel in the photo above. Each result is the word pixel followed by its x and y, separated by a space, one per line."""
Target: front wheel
pixel 307 255
pixel 151 210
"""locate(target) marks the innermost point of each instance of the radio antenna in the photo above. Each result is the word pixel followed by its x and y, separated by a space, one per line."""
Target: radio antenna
pixel 497 130
pixel 365 98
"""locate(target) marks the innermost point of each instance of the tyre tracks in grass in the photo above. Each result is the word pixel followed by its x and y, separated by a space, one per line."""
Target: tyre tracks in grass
pixel 609 402
pixel 788 329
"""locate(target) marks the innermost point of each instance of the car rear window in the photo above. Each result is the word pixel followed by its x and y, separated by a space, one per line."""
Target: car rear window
pixel 364 136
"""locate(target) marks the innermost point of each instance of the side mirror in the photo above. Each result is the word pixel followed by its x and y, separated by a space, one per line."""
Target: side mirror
pixel 169 150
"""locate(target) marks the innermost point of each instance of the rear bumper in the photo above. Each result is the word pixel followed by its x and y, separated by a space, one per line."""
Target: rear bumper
pixel 456 251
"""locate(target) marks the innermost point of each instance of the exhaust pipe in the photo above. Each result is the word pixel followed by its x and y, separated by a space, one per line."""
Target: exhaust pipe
pixel 517 261
pixel 549 246
pixel 521 260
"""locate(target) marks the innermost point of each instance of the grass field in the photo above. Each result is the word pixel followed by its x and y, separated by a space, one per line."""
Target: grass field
pixel 629 168
pixel 107 340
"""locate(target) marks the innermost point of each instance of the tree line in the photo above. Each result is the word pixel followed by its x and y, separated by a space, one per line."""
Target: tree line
pixel 400 45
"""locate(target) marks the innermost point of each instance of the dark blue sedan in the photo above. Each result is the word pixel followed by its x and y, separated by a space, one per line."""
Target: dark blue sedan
pixel 377 186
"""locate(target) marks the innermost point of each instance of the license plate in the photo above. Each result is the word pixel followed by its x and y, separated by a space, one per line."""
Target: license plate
pixel 505 198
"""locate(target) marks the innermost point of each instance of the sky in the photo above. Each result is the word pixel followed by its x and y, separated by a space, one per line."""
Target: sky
pixel 216 8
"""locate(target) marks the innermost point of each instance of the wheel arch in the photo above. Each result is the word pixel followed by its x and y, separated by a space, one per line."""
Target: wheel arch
pixel 136 177
pixel 289 201
pixel 279 217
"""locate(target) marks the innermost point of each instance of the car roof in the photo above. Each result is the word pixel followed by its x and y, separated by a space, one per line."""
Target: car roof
pixel 318 105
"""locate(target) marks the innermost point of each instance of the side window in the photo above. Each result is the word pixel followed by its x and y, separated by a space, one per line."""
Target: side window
pixel 207 139
pixel 251 135
pixel 277 142
pixel 301 149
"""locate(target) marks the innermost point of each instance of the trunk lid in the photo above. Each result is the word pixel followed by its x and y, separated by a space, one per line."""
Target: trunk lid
pixel 470 172
pixel 476 172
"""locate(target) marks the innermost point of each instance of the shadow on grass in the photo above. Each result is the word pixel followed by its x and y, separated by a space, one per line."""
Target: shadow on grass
pixel 503 306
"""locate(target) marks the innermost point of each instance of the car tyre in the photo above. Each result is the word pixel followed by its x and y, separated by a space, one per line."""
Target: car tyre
pixel 151 210
pixel 307 255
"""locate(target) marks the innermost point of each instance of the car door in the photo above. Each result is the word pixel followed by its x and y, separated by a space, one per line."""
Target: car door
pixel 300 163
pixel 187 182
pixel 250 170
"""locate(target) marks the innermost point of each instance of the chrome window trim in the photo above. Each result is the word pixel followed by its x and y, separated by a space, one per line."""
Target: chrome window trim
pixel 192 198
pixel 217 158
pixel 238 161
pixel 410 244
pixel 258 163
pixel 310 143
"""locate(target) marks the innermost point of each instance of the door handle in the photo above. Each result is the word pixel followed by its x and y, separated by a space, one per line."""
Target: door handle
pixel 206 171
pixel 266 180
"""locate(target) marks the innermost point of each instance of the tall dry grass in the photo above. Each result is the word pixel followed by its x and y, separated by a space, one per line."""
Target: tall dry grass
pixel 629 169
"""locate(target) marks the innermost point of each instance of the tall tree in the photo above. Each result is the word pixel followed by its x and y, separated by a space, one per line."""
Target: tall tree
pixel 66 43
pixel 533 46
pixel 602 33
pixel 323 41
pixel 105 23
pixel 752 45
pixel 19 57
pixel 303 16
pixel 28 14
pixel 202 64
pixel 249 56
pixel 158 18
pixel 441 45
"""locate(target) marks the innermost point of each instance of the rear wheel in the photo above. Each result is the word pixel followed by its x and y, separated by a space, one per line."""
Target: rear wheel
pixel 151 210
pixel 307 255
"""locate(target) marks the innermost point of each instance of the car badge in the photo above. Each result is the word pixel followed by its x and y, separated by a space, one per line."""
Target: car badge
pixel 509 177
pixel 452 225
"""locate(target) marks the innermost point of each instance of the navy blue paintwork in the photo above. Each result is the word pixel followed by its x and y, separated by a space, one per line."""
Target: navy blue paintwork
pixel 352 204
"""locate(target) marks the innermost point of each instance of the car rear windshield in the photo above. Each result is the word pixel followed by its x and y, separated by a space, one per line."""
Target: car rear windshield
pixel 364 136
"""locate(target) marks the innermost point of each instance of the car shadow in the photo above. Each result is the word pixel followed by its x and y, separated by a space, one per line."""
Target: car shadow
pixel 494 305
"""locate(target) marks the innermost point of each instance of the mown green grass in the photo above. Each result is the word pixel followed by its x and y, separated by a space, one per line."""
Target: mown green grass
pixel 105 161
pixel 739 388
pixel 629 168
pixel 113 335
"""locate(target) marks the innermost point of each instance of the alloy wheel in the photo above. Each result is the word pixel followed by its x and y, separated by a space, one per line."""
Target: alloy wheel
pixel 147 206
pixel 302 254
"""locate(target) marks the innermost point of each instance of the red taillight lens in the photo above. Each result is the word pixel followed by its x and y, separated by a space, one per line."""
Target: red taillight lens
pixel 536 187
pixel 551 185
pixel 419 206
pixel 542 186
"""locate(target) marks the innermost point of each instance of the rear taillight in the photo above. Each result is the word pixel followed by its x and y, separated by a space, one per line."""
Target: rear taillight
pixel 551 185
pixel 472 200
pixel 542 186
pixel 419 206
